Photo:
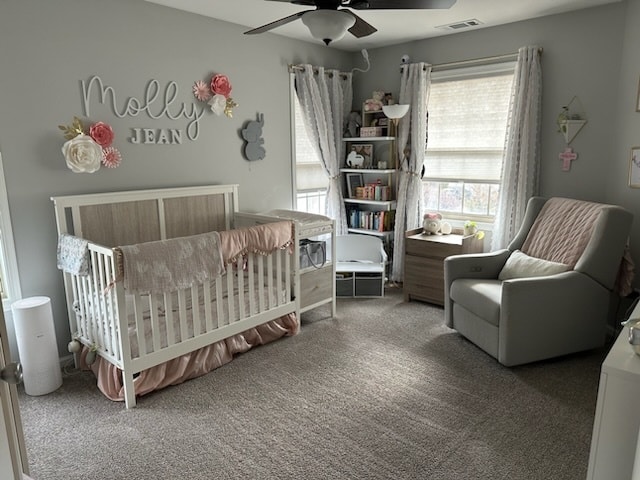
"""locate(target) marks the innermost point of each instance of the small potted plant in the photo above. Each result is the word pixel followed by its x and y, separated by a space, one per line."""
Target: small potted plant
pixel 470 228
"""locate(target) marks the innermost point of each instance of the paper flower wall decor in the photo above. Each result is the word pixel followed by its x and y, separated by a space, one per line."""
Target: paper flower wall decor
pixel 217 93
pixel 88 148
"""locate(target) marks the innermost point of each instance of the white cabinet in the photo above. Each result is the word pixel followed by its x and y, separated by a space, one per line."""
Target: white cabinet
pixel 617 420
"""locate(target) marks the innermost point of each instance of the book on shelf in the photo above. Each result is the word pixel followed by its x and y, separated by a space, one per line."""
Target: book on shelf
pixel 380 221
pixel 374 191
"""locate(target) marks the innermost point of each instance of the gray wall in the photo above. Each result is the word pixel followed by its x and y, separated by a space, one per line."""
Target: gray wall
pixel 47 48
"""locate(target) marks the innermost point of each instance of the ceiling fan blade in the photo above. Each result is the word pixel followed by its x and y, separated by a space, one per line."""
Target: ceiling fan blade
pixel 332 4
pixel 360 28
pixel 399 5
pixel 277 23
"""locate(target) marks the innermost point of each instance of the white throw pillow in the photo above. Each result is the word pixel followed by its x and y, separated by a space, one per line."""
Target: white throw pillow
pixel 520 265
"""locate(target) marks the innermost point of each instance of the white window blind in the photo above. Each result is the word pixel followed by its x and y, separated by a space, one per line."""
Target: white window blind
pixel 309 172
pixel 468 111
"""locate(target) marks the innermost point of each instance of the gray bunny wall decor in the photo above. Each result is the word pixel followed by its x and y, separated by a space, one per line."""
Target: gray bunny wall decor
pixel 252 134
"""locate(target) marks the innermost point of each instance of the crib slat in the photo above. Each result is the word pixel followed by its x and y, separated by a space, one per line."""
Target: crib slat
pixel 94 324
pixel 105 337
pixel 230 297
pixel 182 315
pixel 278 255
pixel 252 284
pixel 219 302
pixel 270 280
pixel 287 278
pixel 195 310
pixel 155 323
pixel 137 307
pixel 240 280
pixel 113 305
pixel 206 293
pixel 168 312
pixel 261 300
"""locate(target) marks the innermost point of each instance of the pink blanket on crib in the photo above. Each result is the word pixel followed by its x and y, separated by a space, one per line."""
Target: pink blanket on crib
pixel 260 239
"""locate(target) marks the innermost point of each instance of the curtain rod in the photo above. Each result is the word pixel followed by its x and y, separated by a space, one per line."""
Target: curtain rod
pixel 476 61
pixel 315 70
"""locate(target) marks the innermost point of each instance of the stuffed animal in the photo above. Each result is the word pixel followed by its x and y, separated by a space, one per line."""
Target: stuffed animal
pixel 375 103
pixel 431 223
pixel 354 121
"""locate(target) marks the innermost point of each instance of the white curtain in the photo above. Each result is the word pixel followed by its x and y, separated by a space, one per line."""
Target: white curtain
pixel 412 132
pixel 521 160
pixel 325 98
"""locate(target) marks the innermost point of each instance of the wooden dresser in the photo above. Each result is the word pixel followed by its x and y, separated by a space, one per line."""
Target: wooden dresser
pixel 424 262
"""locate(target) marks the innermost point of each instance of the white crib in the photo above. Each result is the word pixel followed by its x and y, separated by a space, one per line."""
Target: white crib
pixel 137 331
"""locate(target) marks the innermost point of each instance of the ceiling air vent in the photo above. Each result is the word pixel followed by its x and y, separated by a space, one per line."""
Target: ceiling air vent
pixel 460 25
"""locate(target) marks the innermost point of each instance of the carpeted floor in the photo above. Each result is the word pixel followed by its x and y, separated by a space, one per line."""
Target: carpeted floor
pixel 383 391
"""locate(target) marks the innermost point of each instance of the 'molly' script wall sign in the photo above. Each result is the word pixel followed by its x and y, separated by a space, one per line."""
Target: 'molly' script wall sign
pixel 156 103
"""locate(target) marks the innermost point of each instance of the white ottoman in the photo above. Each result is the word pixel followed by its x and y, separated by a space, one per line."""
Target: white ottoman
pixel 37 346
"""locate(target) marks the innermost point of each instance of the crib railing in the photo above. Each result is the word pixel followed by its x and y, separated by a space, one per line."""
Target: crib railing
pixel 253 290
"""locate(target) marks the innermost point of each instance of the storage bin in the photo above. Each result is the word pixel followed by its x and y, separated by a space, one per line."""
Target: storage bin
pixel 344 285
pixel 370 131
pixel 369 285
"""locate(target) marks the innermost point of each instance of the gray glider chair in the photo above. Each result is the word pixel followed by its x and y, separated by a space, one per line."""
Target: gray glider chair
pixel 548 293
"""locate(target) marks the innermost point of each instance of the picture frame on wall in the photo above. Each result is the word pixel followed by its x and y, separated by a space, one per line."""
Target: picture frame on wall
pixel 354 180
pixel 634 168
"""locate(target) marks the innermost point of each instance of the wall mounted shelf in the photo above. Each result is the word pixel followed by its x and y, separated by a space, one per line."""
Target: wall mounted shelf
pixel 570 128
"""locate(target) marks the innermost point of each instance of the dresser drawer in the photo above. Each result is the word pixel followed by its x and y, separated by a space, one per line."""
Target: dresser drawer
pixel 424 279
pixel 316 285
pixel 425 248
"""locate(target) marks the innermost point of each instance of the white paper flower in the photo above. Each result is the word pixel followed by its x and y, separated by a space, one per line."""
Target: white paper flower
pixel 218 103
pixel 83 154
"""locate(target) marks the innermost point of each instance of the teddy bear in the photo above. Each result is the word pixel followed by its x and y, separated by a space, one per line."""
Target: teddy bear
pixel 375 103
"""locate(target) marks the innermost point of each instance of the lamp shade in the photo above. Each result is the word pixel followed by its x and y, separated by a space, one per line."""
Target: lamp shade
pixel 395 111
pixel 328 25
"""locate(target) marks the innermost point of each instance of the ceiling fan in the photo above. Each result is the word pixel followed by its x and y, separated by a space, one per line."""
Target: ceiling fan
pixel 331 19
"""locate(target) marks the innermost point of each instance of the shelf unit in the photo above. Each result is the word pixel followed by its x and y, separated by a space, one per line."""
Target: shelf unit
pixel 383 151
pixel 369 211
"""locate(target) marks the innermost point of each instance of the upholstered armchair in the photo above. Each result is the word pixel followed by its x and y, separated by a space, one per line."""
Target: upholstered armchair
pixel 548 293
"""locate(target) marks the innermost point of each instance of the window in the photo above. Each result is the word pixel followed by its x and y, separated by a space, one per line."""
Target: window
pixel 468 112
pixel 311 182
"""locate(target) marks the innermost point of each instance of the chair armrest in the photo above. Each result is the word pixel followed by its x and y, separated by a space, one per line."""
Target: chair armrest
pixel 470 265
pixel 474 265
pixel 542 317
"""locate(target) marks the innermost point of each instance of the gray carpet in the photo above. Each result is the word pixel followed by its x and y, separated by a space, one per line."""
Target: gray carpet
pixel 383 391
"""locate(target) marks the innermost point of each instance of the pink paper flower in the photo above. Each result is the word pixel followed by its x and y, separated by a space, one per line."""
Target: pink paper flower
pixel 111 157
pixel 101 133
pixel 220 85
pixel 201 91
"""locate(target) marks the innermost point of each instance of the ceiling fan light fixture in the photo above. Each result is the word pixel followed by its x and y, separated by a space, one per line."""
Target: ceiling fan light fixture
pixel 328 25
